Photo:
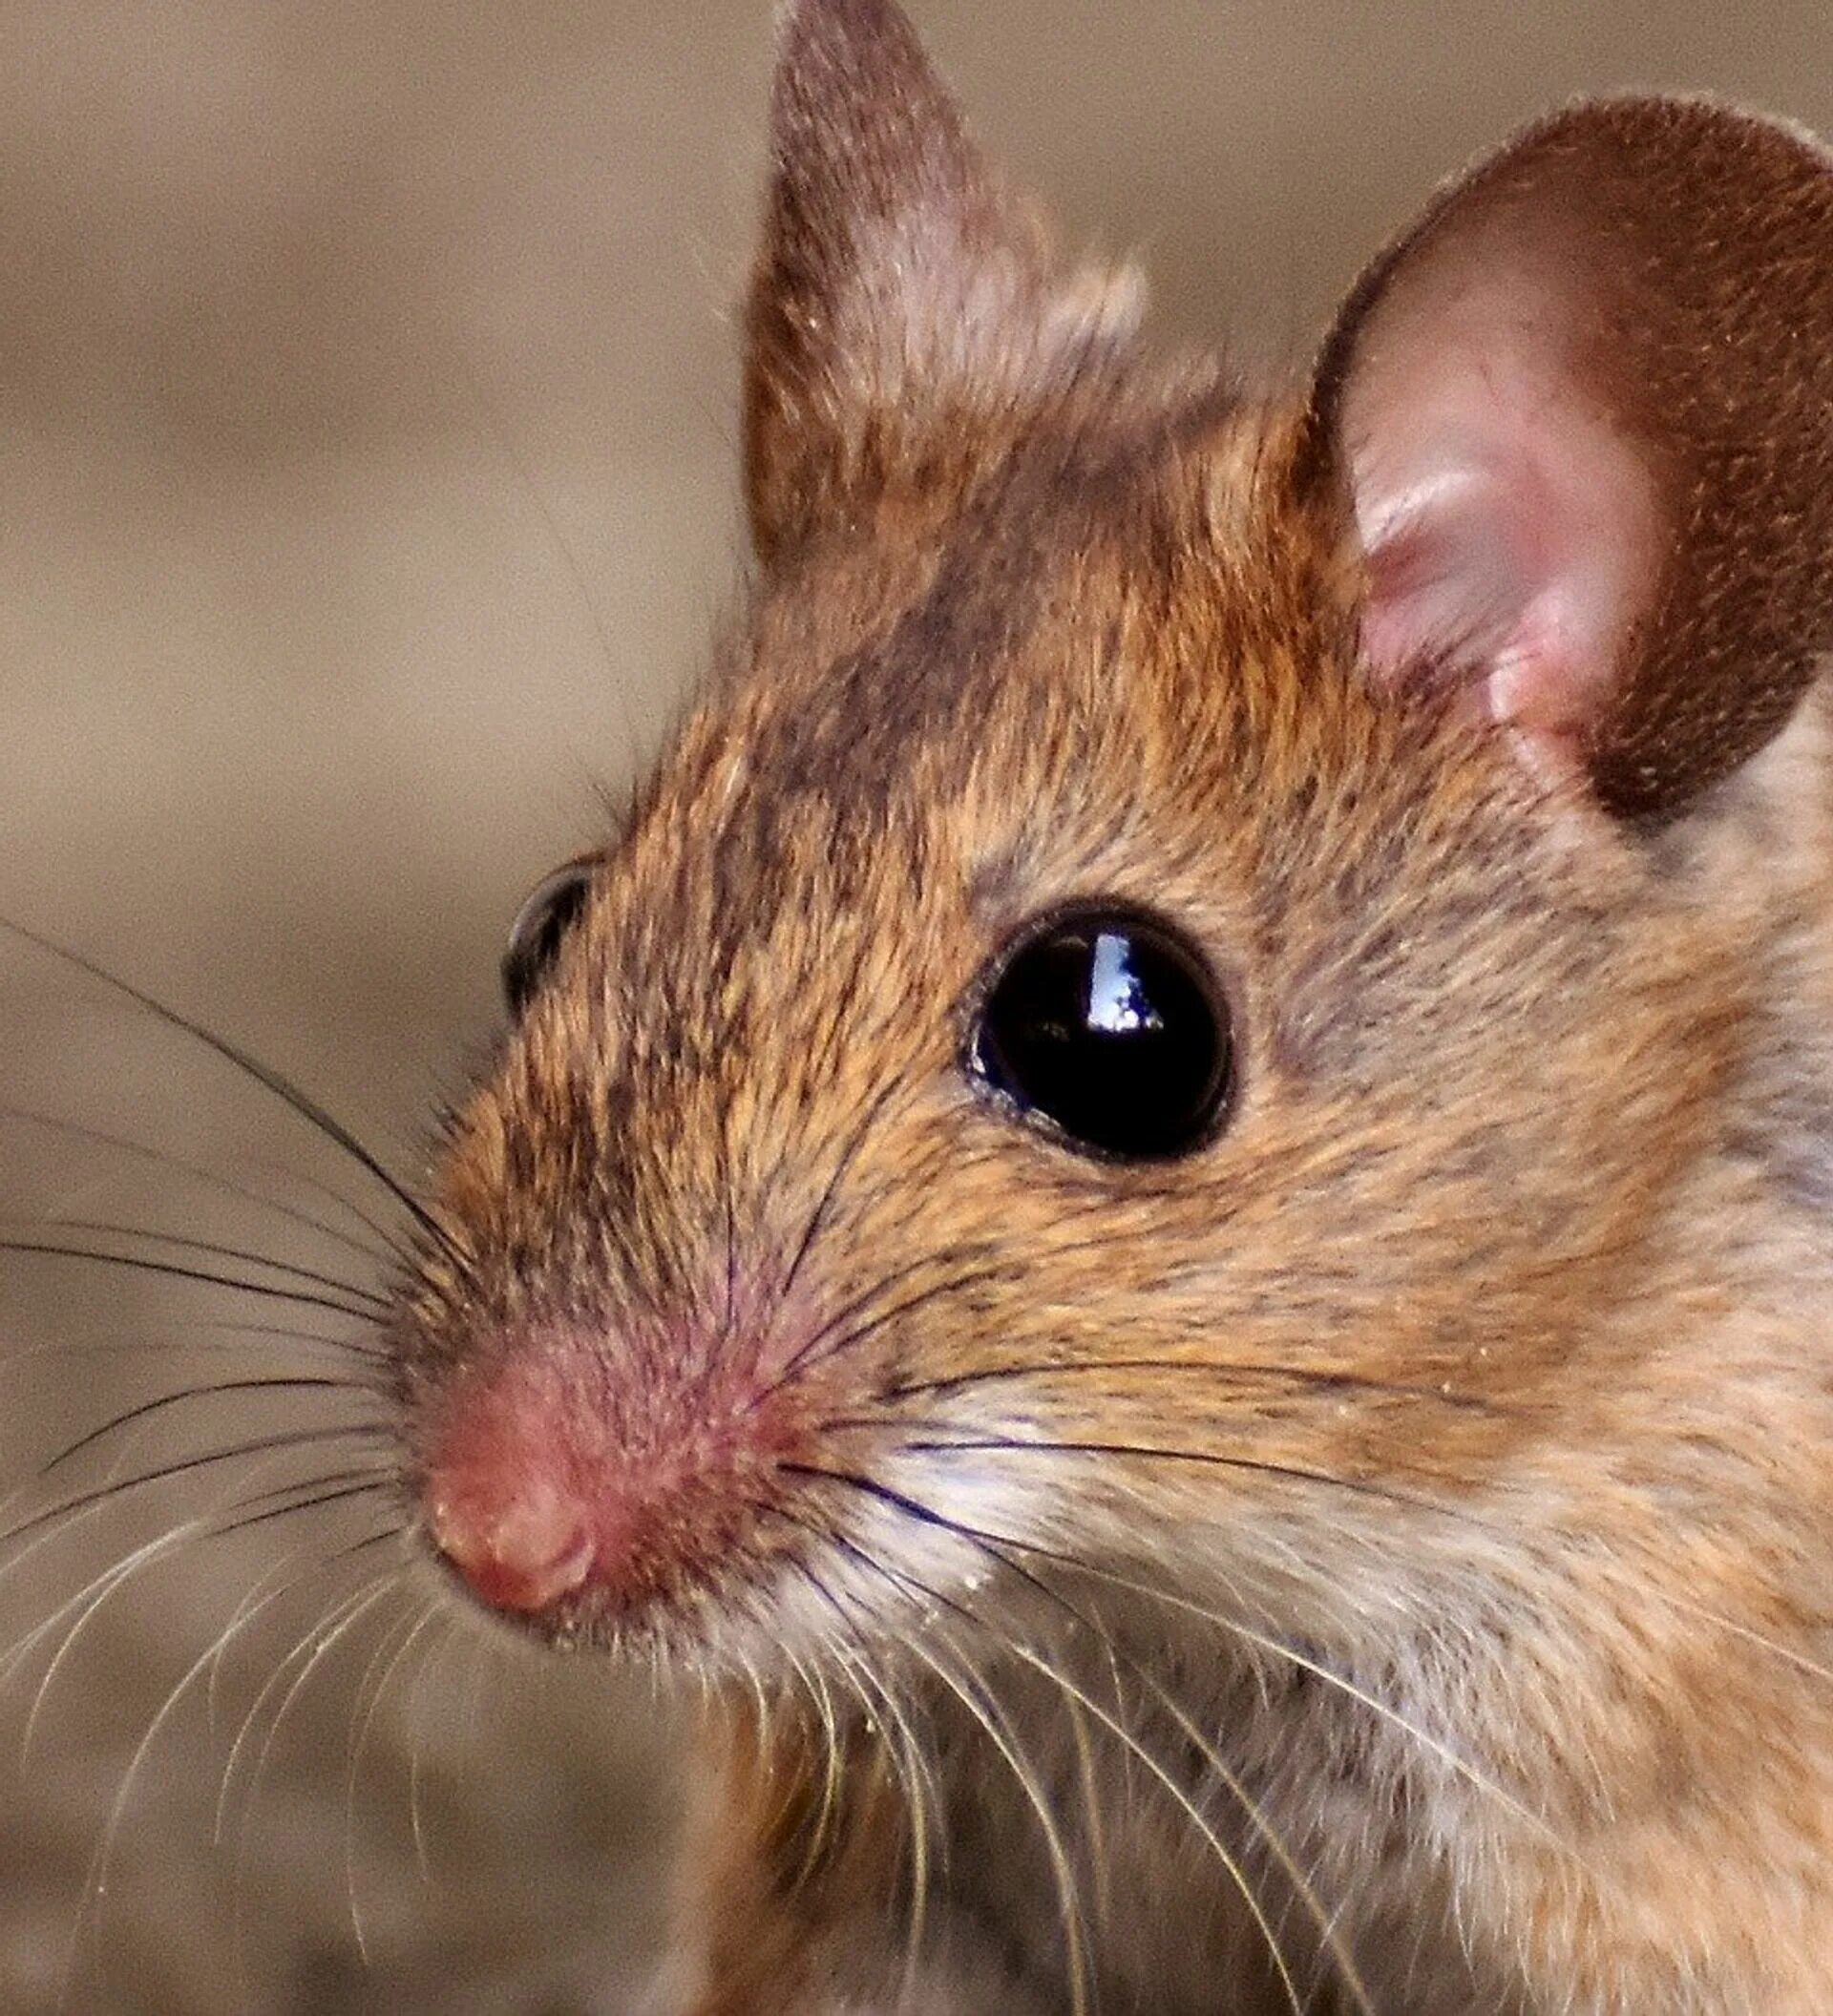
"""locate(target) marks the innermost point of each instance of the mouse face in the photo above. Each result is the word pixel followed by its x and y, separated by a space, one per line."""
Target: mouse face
pixel 1206 1050
pixel 756 1254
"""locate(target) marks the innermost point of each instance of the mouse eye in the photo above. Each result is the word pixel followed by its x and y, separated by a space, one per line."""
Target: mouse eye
pixel 1109 1027
pixel 541 923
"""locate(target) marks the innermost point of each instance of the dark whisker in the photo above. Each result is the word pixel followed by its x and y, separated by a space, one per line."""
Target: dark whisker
pixel 1220 1459
pixel 179 1242
pixel 954 1284
pixel 140 1263
pixel 1341 1382
pixel 298 1439
pixel 817 1218
pixel 870 1487
pixel 283 1088
pixel 861 1304
pixel 288 1334
pixel 211 1389
pixel 987 1545
pixel 341 1494
pixel 216 1347
pixel 161 1157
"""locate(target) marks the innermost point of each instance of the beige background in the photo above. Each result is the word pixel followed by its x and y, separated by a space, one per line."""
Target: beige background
pixel 365 498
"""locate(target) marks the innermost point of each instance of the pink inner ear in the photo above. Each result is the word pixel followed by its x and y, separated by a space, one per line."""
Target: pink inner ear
pixel 1509 523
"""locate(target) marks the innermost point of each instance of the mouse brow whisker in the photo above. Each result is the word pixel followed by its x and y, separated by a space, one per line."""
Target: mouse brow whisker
pixel 807 1359
pixel 817 1218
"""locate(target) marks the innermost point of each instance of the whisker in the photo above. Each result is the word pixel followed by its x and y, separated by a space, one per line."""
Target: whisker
pixel 1752 1637
pixel 817 1218
pixel 96 1591
pixel 1274 1647
pixel 804 1357
pixel 416 1810
pixel 213 1687
pixel 343 1489
pixel 976 1695
pixel 361 1732
pixel 919 1795
pixel 341 1616
pixel 288 1334
pixel 914 1777
pixel 1347 1382
pixel 391 1246
pixel 1193 1812
pixel 117 1487
pixel 214 1389
pixel 913 1773
pixel 504 440
pixel 322 1563
pixel 1229 1782
pixel 1221 1459
pixel 328 1634
pixel 1302 1661
pixel 180 1243
pixel 138 1263
pixel 231 1762
pixel 814 1683
pixel 120 1347
pixel 281 1087
pixel 209 1179
pixel 95 1884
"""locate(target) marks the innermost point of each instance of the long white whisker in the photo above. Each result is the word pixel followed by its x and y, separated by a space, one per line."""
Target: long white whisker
pixel 1193 1812
pixel 361 1730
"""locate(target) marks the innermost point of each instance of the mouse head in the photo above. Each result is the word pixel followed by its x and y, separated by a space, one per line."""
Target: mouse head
pixel 1173 983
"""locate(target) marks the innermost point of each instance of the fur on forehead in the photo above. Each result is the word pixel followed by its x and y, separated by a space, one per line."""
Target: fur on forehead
pixel 1103 596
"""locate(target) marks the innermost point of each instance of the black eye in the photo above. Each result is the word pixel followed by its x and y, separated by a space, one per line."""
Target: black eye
pixel 1110 1027
pixel 539 926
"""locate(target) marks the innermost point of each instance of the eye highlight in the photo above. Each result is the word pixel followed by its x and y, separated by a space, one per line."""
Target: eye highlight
pixel 542 924
pixel 1108 1028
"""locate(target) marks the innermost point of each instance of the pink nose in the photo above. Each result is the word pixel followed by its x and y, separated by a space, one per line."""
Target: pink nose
pixel 519 1543
pixel 572 1479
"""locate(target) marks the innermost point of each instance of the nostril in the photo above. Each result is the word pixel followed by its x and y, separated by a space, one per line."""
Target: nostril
pixel 522 1551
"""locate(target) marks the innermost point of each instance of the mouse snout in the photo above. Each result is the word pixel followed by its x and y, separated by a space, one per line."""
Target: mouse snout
pixel 520 1543
pixel 579 1480
pixel 510 1499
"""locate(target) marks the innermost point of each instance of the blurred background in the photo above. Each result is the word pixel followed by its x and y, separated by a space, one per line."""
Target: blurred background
pixel 367 497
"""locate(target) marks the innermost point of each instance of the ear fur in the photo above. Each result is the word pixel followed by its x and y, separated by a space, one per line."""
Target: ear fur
pixel 904 312
pixel 1584 411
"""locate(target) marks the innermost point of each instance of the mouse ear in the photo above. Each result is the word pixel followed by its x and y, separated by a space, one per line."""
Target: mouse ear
pixel 1585 412
pixel 904 311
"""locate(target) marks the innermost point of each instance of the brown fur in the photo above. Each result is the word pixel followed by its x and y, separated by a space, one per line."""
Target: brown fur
pixel 1431 1474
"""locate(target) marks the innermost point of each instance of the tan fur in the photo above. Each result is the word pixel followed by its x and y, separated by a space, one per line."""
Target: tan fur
pixel 1432 1474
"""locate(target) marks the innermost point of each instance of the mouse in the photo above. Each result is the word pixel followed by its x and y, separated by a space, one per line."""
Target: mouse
pixel 1164 1211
